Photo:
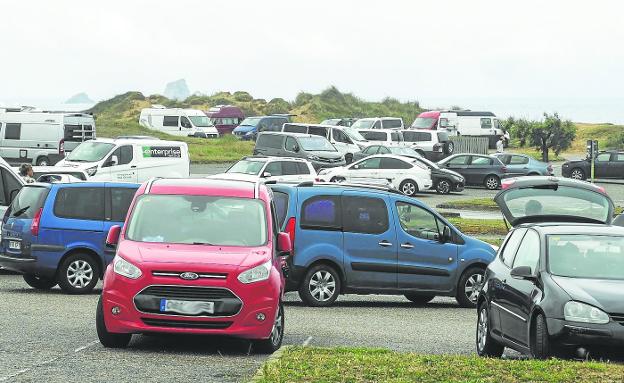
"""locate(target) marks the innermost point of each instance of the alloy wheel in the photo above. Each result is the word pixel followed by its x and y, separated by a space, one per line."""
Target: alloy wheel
pixel 491 183
pixel 408 188
pixel 444 187
pixel 79 273
pixel 322 286
pixel 276 333
pixel 473 287
pixel 482 329
pixel 576 174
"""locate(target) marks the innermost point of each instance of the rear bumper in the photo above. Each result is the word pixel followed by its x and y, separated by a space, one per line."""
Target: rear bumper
pixel 572 334
pixel 22 265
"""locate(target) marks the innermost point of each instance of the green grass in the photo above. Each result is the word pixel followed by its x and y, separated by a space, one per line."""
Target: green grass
pixel 492 241
pixel 473 226
pixel 313 364
pixel 470 204
pixel 536 154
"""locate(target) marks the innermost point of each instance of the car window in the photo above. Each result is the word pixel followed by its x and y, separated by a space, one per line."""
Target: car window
pixel 392 124
pixel 364 215
pixel 121 198
pixel 28 202
pixel 185 123
pixel 302 168
pixel 417 221
pixel 396 137
pixel 9 184
pixel 509 251
pixel 383 150
pixel 459 160
pixel 603 157
pixel 371 150
pixel 481 161
pixel 529 251
pixel 269 141
pixel 170 120
pixel 318 131
pixel 443 137
pixel 393 163
pixel 340 136
pixel 517 160
pixel 374 136
pixel 486 123
pixel 371 163
pixel 377 125
pixel 293 128
pixel 80 203
pixel 290 144
pixel 619 157
pixel 321 213
pixel 275 168
pixel 289 168
pixel 281 206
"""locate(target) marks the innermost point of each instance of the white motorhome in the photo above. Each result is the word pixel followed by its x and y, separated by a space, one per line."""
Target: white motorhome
pixel 178 122
pixel 461 123
pixel 10 184
pixel 42 138
pixel 130 159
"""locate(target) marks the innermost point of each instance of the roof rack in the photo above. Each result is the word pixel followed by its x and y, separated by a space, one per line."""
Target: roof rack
pixel 345 184
pixel 151 181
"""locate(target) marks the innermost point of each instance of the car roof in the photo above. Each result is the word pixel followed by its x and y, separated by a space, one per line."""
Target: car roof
pixel 291 134
pixel 203 186
pixel 549 228
pixel 269 158
pixel 332 186
pixel 83 184
pixel 379 130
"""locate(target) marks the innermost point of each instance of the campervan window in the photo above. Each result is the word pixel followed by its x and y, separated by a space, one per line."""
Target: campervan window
pixel 200 121
pixel 13 131
pixel 170 121
pixel 486 123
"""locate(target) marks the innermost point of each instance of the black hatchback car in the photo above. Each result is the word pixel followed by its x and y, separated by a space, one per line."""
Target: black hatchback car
pixel 556 285
pixel 606 165
pixel 478 169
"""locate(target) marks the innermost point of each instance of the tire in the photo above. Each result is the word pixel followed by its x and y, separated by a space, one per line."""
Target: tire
pixel 348 158
pixel 274 342
pixel 39 283
pixel 492 182
pixel 337 179
pixel 486 345
pixel 419 299
pixel 578 174
pixel 449 147
pixel 108 339
pixel 326 280
pixel 443 187
pixel 408 188
pixel 540 341
pixel 43 161
pixel 78 274
pixel 469 286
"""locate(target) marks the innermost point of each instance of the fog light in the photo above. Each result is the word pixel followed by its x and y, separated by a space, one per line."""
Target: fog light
pixel 261 317
pixel 115 310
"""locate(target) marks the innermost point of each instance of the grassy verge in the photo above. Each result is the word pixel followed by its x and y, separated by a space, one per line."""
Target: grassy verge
pixel 311 364
pixel 473 226
pixel 496 241
pixel 536 154
pixel 470 204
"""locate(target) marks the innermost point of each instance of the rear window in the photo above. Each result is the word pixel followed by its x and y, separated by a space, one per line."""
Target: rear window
pixel 295 128
pixel 281 206
pixel 321 213
pixel 120 200
pixel 85 203
pixel 28 202
pixel 269 141
pixel 392 124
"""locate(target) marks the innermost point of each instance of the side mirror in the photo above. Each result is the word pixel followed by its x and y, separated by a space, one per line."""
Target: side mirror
pixel 284 246
pixel 112 239
pixel 266 175
pixel 523 272
pixel 446 235
pixel 13 194
pixel 112 162
pixel 356 166
pixel 296 149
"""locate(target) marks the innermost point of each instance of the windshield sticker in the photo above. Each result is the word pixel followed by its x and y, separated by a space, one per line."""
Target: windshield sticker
pixel 162 151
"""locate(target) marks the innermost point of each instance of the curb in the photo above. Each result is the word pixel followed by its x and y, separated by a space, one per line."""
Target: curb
pixel 271 359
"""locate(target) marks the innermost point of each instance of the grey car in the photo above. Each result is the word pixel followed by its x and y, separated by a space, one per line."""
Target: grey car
pixel 525 165
pixel 316 149
pixel 478 169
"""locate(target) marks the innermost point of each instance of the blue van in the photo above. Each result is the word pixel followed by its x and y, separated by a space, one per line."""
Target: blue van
pixel 56 233
pixel 251 126
pixel 371 240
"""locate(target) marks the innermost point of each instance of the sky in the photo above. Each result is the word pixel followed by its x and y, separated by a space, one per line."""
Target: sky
pixel 549 54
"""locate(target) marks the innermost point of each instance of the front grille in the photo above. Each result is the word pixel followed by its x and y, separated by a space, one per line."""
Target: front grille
pixel 225 302
pixel 177 274
pixel 618 318
pixel 186 323
pixel 188 292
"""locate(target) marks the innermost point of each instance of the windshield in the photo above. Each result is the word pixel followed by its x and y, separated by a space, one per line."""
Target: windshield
pixel 205 220
pixel 27 202
pixel 90 151
pixel 247 167
pixel 200 121
pixel 354 134
pixel 431 165
pixel 331 122
pixel 423 122
pixel 363 124
pixel 316 144
pixel 251 121
pixel 586 256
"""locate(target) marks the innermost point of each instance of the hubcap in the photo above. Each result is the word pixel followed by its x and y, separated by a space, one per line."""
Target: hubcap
pixel 482 329
pixel 409 188
pixel 322 286
pixel 576 174
pixel 444 187
pixel 492 183
pixel 276 333
pixel 79 274
pixel 473 287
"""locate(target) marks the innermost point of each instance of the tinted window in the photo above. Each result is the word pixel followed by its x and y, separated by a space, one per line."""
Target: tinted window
pixel 322 212
pixel 10 184
pixel 13 131
pixel 416 136
pixel 295 128
pixel 375 136
pixel 377 125
pixel 185 122
pixel 290 168
pixel 121 198
pixel 28 202
pixel 603 157
pixel 340 136
pixel 277 123
pixel 371 150
pixel 281 206
pixel 302 168
pixel 318 131
pixel 269 141
pixel 124 155
pixel 509 251
pixel 529 251
pixel 392 124
pixel 170 121
pixel 275 168
pixel 371 163
pixel 393 163
pixel 364 215
pixel 486 123
pixel 481 161
pixel 80 203
pixel 417 222
pixel 459 160
pixel 396 137
pixel 290 144
pixel 518 160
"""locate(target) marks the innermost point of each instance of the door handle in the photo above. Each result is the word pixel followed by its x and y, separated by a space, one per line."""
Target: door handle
pixel 385 243
pixel 133 167
pixel 407 245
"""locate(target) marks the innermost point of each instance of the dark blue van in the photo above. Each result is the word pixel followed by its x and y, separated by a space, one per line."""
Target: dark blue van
pixel 251 126
pixel 371 240
pixel 56 233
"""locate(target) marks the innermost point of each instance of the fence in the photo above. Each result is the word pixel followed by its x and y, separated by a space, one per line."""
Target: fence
pixel 475 145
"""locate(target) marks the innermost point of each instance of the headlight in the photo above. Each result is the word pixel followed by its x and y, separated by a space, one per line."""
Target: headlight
pixel 582 312
pixel 125 268
pixel 257 274
pixel 91 171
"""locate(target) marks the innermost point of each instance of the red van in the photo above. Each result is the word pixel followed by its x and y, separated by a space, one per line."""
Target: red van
pixel 196 256
pixel 225 117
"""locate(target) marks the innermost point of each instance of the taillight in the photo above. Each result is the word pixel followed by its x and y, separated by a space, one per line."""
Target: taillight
pixel 437 148
pixel 290 230
pixel 34 226
pixel 62 147
pixel 507 183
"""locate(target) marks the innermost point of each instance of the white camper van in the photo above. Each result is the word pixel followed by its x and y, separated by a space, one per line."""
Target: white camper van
pixel 130 160
pixel 10 184
pixel 461 123
pixel 42 138
pixel 178 122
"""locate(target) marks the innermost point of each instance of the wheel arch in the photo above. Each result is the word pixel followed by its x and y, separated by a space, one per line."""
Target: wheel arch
pixel 86 251
pixel 330 263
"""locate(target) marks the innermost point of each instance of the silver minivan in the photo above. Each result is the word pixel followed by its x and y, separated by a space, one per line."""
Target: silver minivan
pixel 316 149
pixel 347 141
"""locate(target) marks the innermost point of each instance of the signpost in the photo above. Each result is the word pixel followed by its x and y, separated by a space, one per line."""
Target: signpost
pixel 592 152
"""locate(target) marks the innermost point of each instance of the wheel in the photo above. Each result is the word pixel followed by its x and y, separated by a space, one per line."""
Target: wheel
pixel 78 274
pixel 443 187
pixel 408 187
pixel 469 287
pixel 108 339
pixel 43 161
pixel 449 147
pixel 337 179
pixel 540 342
pixel 486 345
pixel 39 283
pixel 419 299
pixel 492 182
pixel 577 174
pixel 269 346
pixel 320 287
pixel 348 158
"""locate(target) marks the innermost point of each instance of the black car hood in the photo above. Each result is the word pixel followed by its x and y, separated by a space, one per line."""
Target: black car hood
pixel 446 172
pixel 603 293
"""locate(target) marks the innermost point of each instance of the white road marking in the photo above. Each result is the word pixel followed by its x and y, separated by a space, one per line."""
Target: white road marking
pixel 307 341
pixel 86 346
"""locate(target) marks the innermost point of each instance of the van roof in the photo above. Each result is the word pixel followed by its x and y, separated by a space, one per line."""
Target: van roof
pixel 203 186
pixel 141 141
pixel 83 184
pixel 291 134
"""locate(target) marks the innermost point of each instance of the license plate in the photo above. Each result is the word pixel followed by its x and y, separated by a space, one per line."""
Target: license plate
pixel 186 307
pixel 15 245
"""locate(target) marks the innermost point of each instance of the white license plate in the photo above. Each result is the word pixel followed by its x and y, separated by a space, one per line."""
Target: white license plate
pixel 15 245
pixel 186 307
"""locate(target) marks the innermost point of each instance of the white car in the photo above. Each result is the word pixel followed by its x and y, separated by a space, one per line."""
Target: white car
pixel 279 169
pixel 379 123
pixel 406 174
pixel 388 137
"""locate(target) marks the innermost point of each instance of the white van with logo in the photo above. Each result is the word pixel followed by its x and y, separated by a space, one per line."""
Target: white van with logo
pixel 178 122
pixel 130 160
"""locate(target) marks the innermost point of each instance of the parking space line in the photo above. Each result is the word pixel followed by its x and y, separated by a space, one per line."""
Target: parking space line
pixel 86 346
pixel 307 341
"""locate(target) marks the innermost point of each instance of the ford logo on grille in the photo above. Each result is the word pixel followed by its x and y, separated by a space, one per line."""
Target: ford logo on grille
pixel 189 276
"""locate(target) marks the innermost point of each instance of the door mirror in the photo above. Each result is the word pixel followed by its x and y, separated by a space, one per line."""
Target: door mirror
pixel 523 272
pixel 112 162
pixel 266 175
pixel 284 246
pixel 356 167
pixel 446 235
pixel 113 236
pixel 296 149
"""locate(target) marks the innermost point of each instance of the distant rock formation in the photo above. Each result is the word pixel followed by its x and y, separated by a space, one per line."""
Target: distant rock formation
pixel 80 98
pixel 177 90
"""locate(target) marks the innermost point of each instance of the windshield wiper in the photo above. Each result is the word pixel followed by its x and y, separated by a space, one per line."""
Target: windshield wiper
pixel 69 159
pixel 20 211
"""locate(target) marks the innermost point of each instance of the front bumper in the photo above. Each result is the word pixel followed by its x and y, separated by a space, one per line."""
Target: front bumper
pixel 573 334
pixel 204 135
pixel 318 165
